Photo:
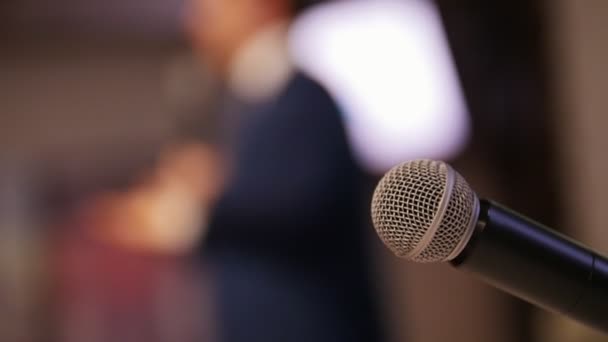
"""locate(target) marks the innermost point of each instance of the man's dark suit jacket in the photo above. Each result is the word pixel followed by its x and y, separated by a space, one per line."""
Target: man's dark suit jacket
pixel 288 237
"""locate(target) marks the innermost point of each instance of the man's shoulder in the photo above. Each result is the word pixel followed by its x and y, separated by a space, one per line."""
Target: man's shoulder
pixel 305 91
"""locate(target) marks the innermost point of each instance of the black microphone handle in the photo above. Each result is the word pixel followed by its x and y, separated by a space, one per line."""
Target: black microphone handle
pixel 539 265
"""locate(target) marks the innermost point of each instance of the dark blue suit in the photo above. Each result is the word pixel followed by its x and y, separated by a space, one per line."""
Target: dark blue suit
pixel 288 237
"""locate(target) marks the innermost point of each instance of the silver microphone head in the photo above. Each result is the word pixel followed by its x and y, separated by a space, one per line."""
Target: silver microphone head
pixel 424 211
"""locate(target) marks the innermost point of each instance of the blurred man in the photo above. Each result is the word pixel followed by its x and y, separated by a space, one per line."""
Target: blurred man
pixel 287 238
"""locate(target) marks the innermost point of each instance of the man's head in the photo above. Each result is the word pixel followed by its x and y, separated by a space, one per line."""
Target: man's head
pixel 219 27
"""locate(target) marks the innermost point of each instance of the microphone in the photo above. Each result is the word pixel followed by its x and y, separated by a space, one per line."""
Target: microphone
pixel 426 212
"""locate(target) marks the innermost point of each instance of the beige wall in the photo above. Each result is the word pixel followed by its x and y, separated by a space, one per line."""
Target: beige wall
pixel 579 52
pixel 580 55
pixel 83 104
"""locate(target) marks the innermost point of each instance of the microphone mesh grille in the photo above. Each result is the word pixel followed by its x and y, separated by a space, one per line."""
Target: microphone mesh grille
pixel 409 204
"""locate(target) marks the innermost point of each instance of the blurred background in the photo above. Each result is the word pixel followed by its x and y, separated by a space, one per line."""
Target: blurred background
pixel 109 124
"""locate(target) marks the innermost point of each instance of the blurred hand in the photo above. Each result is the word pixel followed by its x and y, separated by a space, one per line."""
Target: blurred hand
pixel 166 211
pixel 194 165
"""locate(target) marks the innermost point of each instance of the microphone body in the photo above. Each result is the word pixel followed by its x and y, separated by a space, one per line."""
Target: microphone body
pixel 537 264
